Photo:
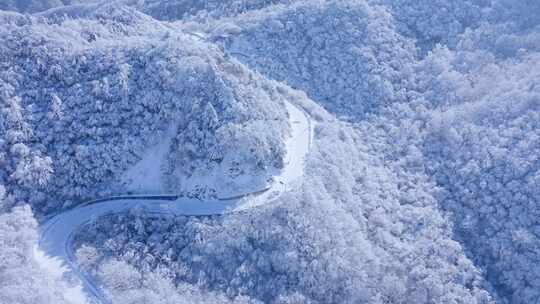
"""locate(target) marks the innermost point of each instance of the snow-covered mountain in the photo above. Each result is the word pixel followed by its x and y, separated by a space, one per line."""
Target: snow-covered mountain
pixel 352 65
pixel 409 130
pixel 85 100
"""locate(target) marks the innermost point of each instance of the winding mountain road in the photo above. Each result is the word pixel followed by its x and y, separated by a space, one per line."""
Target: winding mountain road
pixel 56 233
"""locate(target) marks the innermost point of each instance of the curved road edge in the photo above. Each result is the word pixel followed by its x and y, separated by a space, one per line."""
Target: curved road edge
pixel 56 233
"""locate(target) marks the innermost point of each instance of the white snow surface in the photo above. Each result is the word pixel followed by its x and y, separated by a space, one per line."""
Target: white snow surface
pixel 56 233
pixel 146 176
pixel 56 269
pixel 297 146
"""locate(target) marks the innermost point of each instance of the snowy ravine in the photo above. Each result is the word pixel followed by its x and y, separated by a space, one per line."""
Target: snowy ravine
pixel 56 233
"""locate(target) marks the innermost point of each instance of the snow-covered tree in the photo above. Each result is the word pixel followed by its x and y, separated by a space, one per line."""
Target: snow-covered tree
pixel 346 55
pixel 26 276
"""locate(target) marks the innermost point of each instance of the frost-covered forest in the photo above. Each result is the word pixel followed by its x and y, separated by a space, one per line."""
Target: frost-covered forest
pixel 422 183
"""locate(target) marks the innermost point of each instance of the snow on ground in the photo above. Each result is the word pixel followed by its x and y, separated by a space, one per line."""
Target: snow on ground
pixel 56 233
pixel 297 146
pixel 55 268
pixel 147 175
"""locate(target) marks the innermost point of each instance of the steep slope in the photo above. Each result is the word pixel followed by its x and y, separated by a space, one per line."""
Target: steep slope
pixel 83 99
pixel 428 195
pixel 485 155
pixel 346 55
pixel 57 232
pixel 357 230
pixel 473 129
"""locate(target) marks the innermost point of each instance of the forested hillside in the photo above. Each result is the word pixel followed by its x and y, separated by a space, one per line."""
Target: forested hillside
pixel 83 99
pixel 421 184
